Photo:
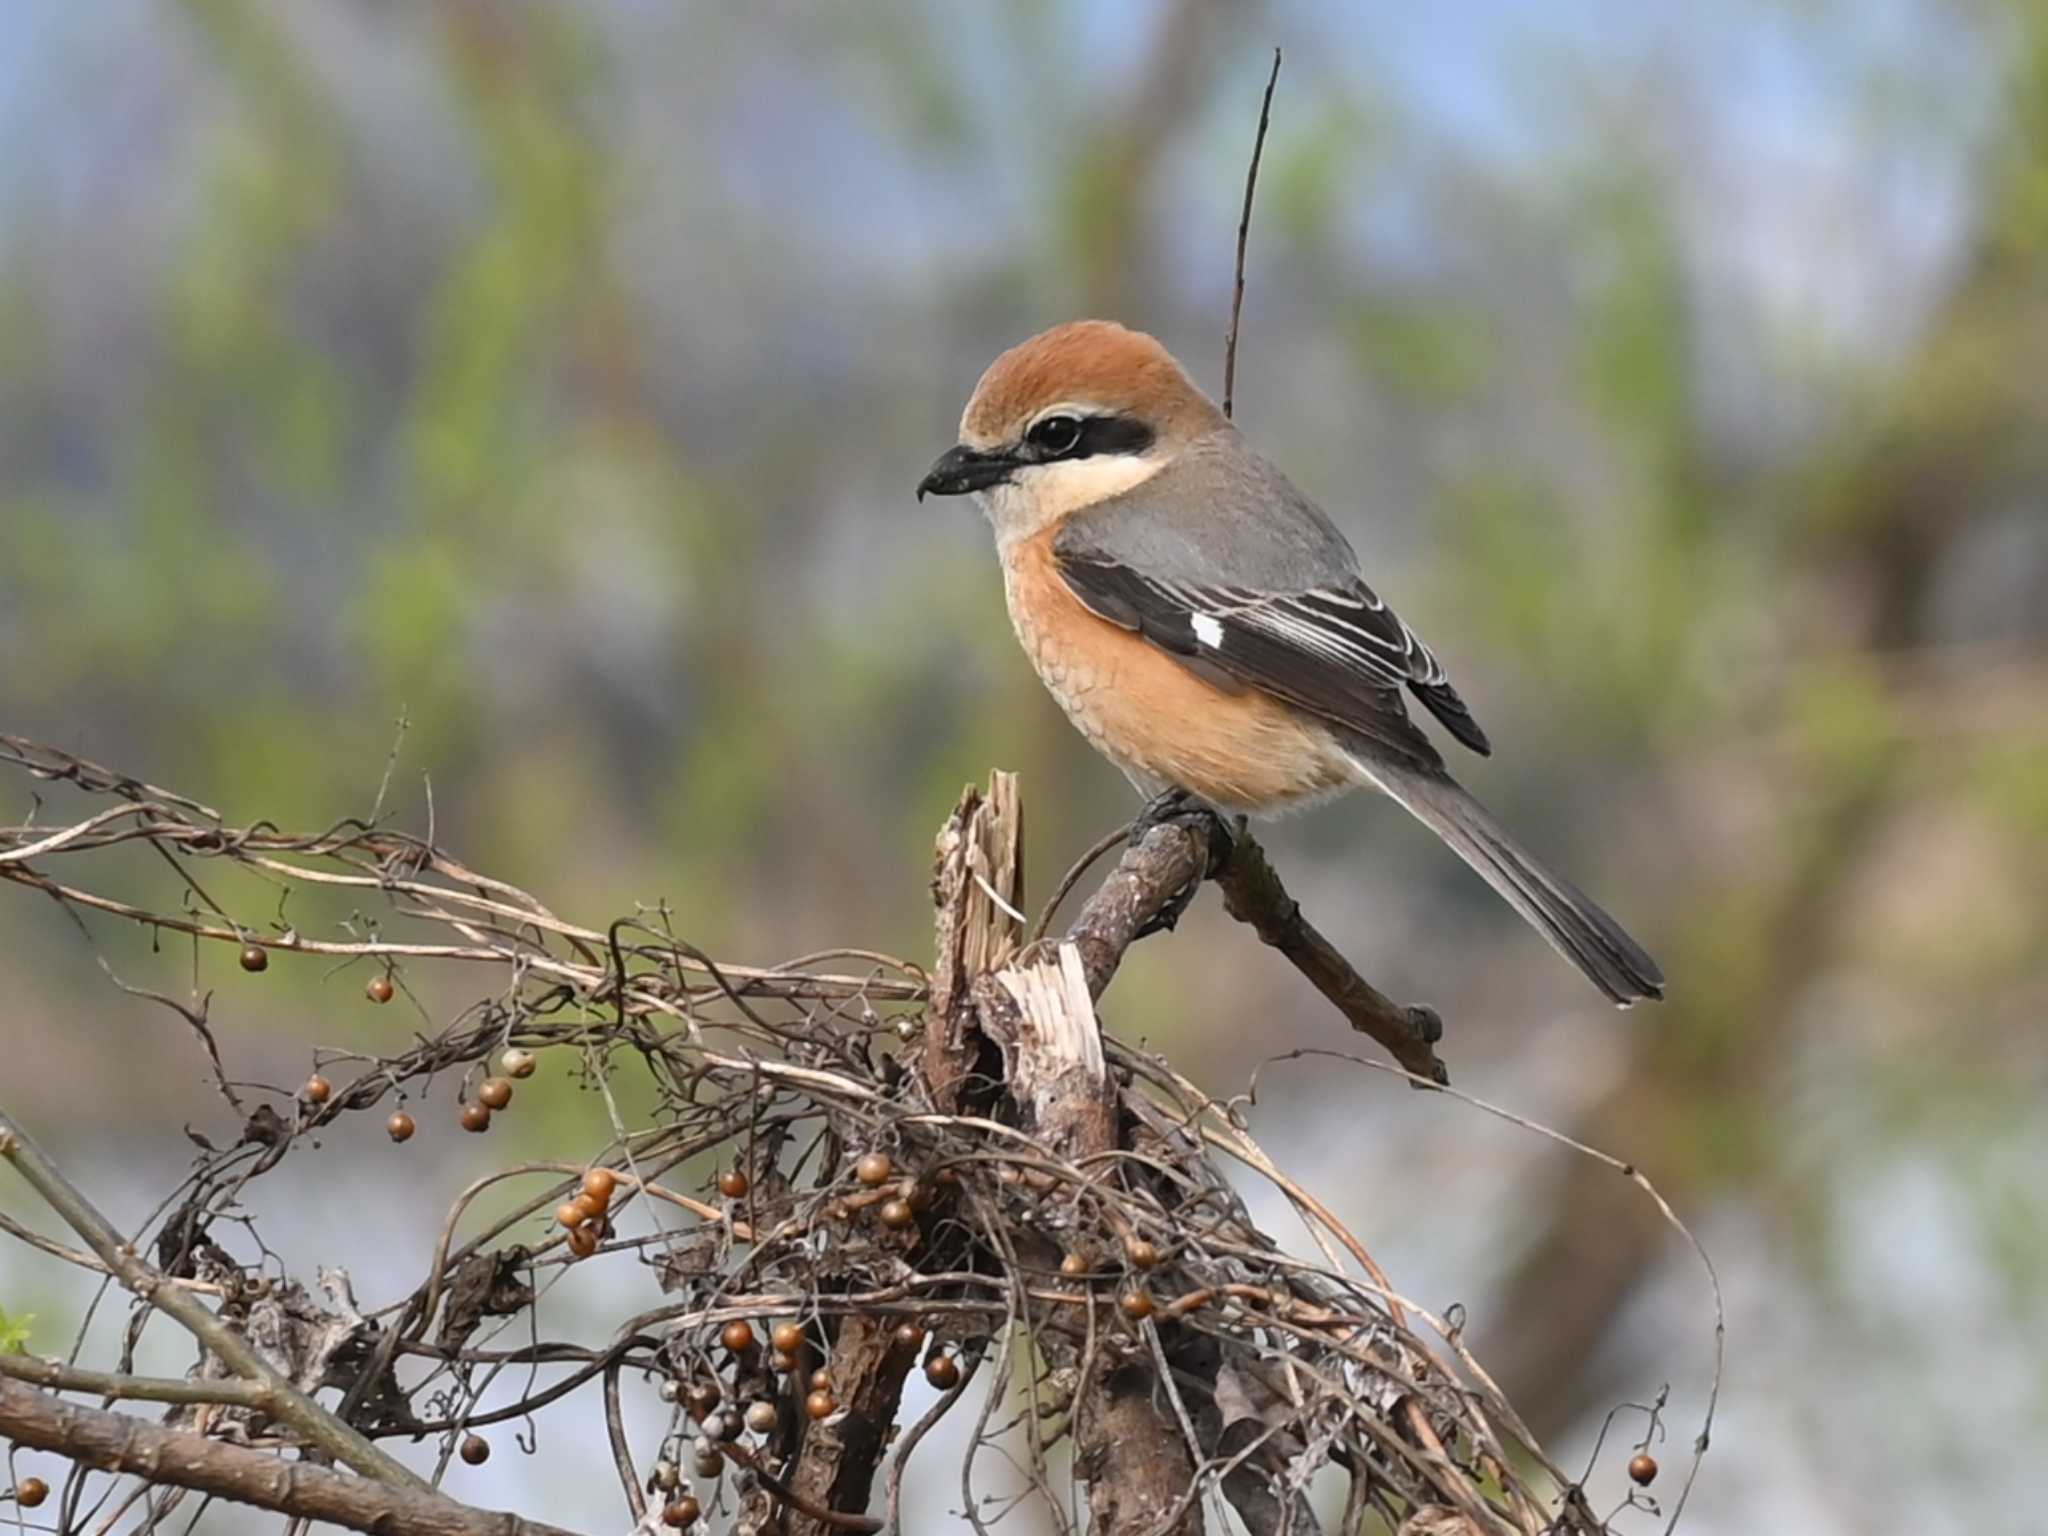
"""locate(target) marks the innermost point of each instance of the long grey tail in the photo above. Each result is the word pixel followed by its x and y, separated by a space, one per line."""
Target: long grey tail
pixel 1571 920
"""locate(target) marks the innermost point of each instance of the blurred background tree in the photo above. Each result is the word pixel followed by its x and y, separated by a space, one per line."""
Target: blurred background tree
pixel 555 376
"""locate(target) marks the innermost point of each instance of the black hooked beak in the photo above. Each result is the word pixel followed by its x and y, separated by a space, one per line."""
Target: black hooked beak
pixel 961 469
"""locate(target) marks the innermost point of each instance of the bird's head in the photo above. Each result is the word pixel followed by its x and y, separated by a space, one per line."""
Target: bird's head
pixel 1069 418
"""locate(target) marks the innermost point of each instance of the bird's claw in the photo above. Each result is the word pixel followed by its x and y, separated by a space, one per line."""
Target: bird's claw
pixel 1178 806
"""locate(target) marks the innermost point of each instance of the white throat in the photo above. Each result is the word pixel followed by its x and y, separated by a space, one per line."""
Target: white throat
pixel 1042 494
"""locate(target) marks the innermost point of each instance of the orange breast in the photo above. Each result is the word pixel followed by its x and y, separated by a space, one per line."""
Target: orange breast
pixel 1153 717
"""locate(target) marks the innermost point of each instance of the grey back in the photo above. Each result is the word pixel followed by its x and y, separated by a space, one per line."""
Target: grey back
pixel 1221 514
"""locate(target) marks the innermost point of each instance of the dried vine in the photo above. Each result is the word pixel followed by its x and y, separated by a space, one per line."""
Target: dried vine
pixel 855 1169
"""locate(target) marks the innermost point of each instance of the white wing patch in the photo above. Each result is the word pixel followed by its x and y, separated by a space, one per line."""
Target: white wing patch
pixel 1208 629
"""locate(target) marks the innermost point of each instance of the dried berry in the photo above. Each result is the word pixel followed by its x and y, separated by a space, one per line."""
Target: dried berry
pixel 707 1464
pixel 476 1450
pixel 873 1169
pixel 821 1404
pixel 1142 1252
pixel 400 1126
pixel 583 1241
pixel 379 989
pixel 1642 1468
pixel 1137 1304
pixel 1073 1265
pixel 897 1213
pixel 598 1185
pixel 516 1063
pixel 317 1090
pixel 700 1398
pixel 494 1093
pixel 572 1214
pixel 821 1379
pixel 682 1513
pixel 31 1491
pixel 475 1118
pixel 787 1337
pixel 667 1476
pixel 943 1372
pixel 255 958
pixel 737 1336
pixel 907 1336
pixel 732 1184
pixel 761 1416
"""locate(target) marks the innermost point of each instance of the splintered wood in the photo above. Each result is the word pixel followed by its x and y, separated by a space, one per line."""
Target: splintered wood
pixel 978 894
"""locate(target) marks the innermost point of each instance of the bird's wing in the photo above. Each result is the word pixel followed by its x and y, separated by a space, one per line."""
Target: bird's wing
pixel 1266 591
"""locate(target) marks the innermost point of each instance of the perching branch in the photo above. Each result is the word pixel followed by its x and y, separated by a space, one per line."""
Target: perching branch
pixel 1253 894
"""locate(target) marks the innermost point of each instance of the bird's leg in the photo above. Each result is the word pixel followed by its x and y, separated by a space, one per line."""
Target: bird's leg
pixel 1204 821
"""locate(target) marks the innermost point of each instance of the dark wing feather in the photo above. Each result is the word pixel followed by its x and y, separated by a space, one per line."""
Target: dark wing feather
pixel 1339 652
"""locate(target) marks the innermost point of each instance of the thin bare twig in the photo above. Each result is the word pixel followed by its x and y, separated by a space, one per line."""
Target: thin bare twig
pixel 1244 234
pixel 289 1404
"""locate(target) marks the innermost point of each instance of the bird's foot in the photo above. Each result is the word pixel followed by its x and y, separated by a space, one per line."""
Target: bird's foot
pixel 1179 807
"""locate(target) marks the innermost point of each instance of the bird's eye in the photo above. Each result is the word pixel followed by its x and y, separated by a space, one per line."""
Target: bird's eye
pixel 1055 434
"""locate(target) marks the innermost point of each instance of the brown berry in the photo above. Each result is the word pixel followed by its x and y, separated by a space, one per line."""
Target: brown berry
pixel 255 958
pixel 572 1214
pixel 1137 1304
pixel 700 1397
pixel 1642 1468
pixel 781 1363
pixel 907 1336
pixel 598 1185
pixel 821 1404
pixel 943 1372
pixel 681 1513
pixel 476 1450
pixel 873 1169
pixel 787 1337
pixel 821 1380
pixel 31 1491
pixel 516 1063
pixel 475 1118
pixel 494 1093
pixel 1073 1265
pixel 400 1126
pixel 707 1463
pixel 761 1416
pixel 583 1240
pixel 1142 1252
pixel 667 1477
pixel 317 1090
pixel 379 989
pixel 732 1184
pixel 737 1336
pixel 897 1213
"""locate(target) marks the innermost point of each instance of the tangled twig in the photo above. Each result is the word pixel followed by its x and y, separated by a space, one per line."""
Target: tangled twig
pixel 867 1174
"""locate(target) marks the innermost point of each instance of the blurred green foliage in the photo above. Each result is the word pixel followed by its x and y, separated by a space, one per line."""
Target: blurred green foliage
pixel 555 376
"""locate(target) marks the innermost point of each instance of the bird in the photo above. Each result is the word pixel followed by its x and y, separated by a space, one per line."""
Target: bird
pixel 1206 626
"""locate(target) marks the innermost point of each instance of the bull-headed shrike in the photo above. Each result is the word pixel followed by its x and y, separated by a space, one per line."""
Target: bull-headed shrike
pixel 1204 624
